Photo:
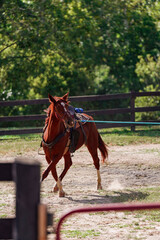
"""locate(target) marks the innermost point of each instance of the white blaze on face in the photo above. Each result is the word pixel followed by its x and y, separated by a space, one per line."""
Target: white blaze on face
pixel 64 106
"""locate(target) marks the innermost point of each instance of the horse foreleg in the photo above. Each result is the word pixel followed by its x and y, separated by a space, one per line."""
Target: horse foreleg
pixel 68 164
pixel 46 172
pixel 59 185
pixel 53 174
pixel 52 167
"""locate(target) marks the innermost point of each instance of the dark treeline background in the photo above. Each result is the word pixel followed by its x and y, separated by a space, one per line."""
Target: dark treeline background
pixel 83 46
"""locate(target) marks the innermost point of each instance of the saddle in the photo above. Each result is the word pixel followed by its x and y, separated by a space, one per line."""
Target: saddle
pixel 78 115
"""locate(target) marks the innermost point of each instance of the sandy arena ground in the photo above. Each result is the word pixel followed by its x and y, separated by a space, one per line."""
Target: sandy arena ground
pixel 129 168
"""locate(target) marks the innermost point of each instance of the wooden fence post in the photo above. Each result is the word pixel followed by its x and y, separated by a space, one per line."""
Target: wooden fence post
pixel 132 106
pixel 42 222
pixel 26 175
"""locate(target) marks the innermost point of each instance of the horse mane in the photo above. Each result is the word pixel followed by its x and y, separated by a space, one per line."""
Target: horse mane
pixel 47 111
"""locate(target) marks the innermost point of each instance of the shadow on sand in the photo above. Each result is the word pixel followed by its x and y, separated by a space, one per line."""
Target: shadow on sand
pixel 111 197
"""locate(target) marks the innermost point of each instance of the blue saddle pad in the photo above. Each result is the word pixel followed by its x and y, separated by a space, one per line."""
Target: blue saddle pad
pixel 79 110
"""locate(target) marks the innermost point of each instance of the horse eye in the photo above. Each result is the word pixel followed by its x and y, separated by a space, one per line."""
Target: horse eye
pixel 59 108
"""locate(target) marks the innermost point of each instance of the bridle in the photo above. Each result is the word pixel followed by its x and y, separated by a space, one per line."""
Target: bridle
pixel 63 115
pixel 59 115
pixel 57 139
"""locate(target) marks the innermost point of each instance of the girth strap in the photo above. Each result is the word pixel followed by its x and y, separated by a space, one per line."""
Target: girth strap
pixel 85 137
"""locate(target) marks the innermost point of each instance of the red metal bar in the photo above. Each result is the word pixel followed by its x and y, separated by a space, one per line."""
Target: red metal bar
pixel 107 207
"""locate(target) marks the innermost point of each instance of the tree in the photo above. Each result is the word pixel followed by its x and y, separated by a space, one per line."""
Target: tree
pixel 148 71
pixel 58 46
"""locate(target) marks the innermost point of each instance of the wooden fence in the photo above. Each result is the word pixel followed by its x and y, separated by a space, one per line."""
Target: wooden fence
pixel 132 110
pixel 31 220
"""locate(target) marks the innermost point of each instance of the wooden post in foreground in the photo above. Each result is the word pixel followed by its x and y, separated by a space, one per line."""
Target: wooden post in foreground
pixel 42 222
pixel 26 175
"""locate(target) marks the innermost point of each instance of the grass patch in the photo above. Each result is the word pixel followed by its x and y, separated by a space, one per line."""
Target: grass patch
pixel 3 205
pixel 77 234
pixel 19 144
pixel 134 226
pixel 34 136
pixel 121 137
pixel 3 216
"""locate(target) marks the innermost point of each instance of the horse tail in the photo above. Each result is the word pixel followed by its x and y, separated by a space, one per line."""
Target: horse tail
pixel 103 148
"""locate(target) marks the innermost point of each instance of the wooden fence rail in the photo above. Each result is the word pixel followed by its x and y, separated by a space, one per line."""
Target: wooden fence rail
pixel 131 110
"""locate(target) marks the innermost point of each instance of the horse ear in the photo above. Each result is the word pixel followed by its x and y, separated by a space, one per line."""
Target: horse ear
pixel 51 99
pixel 65 97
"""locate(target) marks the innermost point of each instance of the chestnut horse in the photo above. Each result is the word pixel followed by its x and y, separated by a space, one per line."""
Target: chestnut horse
pixel 56 140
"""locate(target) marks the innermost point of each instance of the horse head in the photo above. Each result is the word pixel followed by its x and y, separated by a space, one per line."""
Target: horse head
pixel 60 107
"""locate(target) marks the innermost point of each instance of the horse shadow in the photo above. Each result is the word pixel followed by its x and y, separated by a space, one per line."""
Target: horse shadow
pixel 111 197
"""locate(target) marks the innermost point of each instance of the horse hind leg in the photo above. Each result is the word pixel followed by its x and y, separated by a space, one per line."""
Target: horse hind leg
pixel 96 161
pixel 99 185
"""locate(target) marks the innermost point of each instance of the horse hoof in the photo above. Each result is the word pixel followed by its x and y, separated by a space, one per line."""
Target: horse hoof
pixel 55 189
pixel 62 194
pixel 99 187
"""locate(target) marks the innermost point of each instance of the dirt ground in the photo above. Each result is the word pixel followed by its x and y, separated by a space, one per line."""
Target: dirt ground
pixel 129 168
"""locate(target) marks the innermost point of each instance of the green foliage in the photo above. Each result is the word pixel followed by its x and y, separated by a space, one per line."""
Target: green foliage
pixel 148 71
pixel 85 47
pixel 105 82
